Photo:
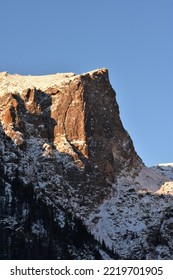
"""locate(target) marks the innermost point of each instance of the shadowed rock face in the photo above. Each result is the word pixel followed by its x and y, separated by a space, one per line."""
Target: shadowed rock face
pixel 71 183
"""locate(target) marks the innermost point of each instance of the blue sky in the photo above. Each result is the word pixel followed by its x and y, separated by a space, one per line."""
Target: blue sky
pixel 132 38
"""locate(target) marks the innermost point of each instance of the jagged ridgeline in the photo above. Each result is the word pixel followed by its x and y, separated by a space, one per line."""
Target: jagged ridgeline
pixel 71 183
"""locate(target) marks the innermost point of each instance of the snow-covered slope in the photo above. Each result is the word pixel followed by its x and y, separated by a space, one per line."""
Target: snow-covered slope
pixel 136 222
pixel 165 169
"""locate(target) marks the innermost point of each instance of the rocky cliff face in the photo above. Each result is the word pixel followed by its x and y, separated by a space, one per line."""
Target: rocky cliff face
pixel 69 172
pixel 77 115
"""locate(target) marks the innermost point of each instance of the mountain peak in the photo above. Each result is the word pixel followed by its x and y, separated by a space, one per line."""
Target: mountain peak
pixel 78 114
pixel 70 177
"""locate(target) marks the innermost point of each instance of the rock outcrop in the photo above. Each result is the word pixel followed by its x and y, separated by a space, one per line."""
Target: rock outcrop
pixel 66 164
pixel 78 115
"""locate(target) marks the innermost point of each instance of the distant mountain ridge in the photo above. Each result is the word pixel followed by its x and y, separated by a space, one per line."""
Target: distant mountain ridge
pixel 164 168
pixel 71 183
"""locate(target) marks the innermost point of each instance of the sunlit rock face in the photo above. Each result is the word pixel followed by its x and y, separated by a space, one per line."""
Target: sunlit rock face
pixel 69 172
pixel 78 114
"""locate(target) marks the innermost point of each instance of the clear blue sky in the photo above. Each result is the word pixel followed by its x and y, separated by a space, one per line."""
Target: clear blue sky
pixel 132 38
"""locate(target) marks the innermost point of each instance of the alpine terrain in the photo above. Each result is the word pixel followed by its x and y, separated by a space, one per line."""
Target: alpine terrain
pixel 71 184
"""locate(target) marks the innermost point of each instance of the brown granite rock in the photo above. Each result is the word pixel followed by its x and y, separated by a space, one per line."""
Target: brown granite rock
pixel 78 114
